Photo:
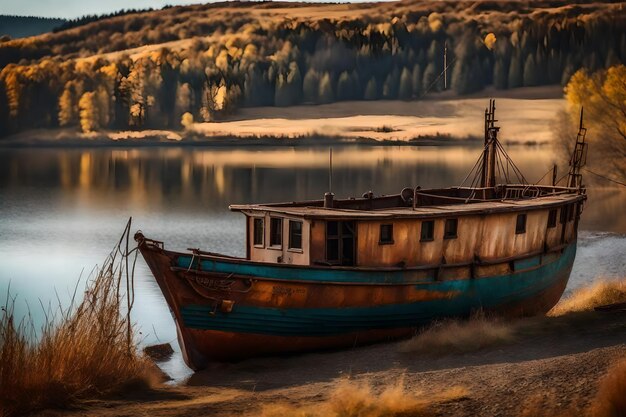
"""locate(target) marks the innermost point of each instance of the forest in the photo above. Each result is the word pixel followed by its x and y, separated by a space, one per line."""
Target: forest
pixel 171 67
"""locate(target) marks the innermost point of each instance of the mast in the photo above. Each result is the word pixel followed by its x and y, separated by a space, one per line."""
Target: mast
pixel 488 176
pixel 579 156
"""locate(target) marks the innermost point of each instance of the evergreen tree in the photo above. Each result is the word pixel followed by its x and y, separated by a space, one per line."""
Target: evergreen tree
pixel 405 91
pixel 345 87
pixel 500 74
pixel 311 86
pixel 429 78
pixel 326 94
pixel 515 72
pixel 530 72
pixel 416 80
pixel 391 85
pixel 371 90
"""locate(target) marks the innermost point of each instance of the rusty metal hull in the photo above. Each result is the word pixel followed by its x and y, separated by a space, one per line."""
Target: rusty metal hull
pixel 229 309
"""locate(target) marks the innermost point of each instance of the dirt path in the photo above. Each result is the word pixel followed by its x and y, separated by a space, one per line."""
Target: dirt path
pixel 557 361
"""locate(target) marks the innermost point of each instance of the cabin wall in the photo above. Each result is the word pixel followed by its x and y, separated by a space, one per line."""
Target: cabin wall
pixel 488 237
pixel 318 241
pixel 278 254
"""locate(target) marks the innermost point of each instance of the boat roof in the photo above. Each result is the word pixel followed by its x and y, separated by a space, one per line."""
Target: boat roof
pixel 315 210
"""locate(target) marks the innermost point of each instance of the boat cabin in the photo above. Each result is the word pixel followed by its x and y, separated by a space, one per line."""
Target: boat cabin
pixel 414 228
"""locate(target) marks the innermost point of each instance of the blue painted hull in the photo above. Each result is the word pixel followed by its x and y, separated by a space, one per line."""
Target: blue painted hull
pixel 498 293
pixel 229 309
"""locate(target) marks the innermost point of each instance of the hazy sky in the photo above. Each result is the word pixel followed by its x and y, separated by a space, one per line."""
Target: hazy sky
pixel 75 8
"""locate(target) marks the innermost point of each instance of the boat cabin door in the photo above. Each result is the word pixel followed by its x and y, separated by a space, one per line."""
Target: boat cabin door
pixel 341 243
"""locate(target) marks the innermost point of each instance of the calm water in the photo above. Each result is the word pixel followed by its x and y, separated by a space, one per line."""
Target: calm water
pixel 62 210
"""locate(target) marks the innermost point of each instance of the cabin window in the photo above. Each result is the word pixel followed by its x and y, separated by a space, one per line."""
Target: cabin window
pixel 386 234
pixel 258 231
pixel 428 231
pixel 450 229
pixel 520 224
pixel 340 242
pixel 552 219
pixel 332 241
pixel 276 231
pixel 570 212
pixel 563 217
pixel 295 234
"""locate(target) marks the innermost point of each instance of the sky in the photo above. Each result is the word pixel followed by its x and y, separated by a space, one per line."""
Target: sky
pixel 70 9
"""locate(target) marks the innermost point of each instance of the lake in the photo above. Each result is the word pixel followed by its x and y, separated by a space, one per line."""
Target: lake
pixel 63 210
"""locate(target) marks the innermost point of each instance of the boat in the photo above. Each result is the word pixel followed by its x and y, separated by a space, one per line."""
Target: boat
pixel 335 273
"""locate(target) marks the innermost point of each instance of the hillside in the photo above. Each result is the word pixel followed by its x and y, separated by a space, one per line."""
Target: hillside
pixel 24 26
pixel 148 69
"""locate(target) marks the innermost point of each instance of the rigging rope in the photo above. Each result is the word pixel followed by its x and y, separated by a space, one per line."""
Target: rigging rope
pixel 606 178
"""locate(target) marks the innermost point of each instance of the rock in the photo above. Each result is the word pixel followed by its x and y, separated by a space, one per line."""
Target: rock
pixel 159 352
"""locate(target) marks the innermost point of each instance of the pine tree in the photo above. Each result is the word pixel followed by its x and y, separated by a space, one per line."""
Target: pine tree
pixel 311 86
pixel 345 87
pixel 405 89
pixel 416 80
pixel 530 72
pixel 500 74
pixel 371 90
pixel 326 94
pixel 515 72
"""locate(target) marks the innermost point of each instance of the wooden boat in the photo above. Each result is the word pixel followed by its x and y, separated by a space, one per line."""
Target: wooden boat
pixel 334 273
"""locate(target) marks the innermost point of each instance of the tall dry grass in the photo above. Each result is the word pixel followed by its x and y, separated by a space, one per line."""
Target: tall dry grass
pixel 81 351
pixel 456 336
pixel 586 298
pixel 352 399
pixel 610 401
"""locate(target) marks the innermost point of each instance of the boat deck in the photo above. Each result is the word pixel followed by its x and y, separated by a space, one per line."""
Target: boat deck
pixel 483 207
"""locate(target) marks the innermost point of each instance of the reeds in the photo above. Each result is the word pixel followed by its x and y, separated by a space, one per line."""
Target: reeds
pixel 586 298
pixel 82 351
pixel 354 399
pixel 610 401
pixel 454 336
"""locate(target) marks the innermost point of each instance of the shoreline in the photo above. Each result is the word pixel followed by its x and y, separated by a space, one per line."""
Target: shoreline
pixel 555 362
pixel 439 121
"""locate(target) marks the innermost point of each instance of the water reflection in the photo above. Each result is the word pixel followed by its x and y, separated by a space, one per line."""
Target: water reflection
pixel 198 179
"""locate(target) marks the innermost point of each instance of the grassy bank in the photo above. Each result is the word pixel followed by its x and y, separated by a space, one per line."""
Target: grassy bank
pixel 83 351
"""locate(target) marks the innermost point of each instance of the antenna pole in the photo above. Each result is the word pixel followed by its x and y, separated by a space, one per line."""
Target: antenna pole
pixel 445 65
pixel 329 196
pixel 330 170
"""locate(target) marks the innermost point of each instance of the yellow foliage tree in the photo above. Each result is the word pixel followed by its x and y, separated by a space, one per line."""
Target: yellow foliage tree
pixel 89 117
pixel 187 120
pixel 603 97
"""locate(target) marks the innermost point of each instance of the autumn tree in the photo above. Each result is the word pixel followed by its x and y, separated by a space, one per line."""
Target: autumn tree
pixel 603 96
pixel 68 105
pixel 89 117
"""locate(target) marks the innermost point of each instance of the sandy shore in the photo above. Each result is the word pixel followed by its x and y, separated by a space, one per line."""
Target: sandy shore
pixel 553 362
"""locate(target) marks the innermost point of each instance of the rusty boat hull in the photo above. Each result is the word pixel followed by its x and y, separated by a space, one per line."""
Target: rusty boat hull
pixel 230 308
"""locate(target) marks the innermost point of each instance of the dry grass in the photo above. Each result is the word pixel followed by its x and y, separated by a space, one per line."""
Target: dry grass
pixel 610 401
pixel 352 399
pixel 81 352
pixel 452 336
pixel 587 298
